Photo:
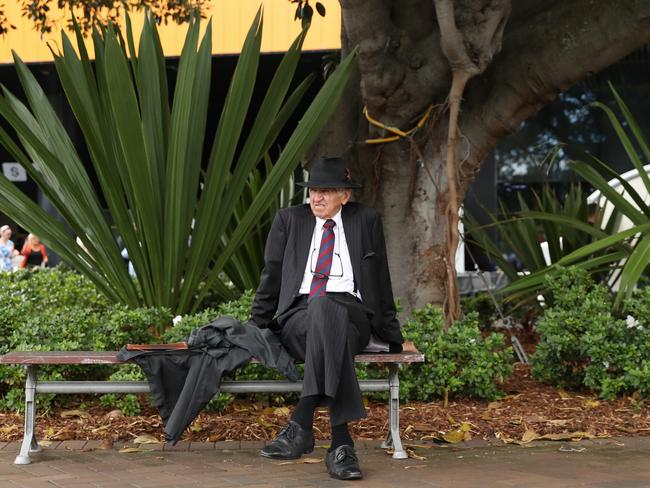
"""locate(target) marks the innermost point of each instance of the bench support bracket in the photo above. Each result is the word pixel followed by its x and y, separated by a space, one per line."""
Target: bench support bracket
pixel 392 438
pixel 30 443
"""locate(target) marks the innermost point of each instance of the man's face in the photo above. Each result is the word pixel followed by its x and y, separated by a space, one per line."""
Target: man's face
pixel 326 202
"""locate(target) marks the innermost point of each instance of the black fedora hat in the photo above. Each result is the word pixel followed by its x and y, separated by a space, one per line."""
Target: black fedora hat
pixel 328 172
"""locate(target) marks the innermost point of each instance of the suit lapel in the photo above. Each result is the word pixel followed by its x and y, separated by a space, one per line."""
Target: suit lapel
pixel 353 239
pixel 305 232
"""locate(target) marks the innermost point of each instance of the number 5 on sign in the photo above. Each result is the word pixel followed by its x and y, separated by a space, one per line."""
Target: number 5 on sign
pixel 14 172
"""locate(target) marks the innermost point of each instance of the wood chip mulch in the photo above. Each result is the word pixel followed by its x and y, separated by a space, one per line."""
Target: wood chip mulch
pixel 529 411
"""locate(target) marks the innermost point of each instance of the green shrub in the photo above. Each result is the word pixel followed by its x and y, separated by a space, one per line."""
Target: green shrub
pixel 582 344
pixel 239 309
pixel 55 309
pixel 578 303
pixel 128 404
pixel 25 295
pixel 459 361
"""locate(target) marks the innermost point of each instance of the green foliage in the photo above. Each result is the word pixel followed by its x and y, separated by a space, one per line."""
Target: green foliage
pixel 61 310
pixel 583 344
pixel 128 404
pixel 521 231
pixel 239 309
pixel 173 193
pixel 621 254
pixel 562 222
pixel 26 294
pixel 578 303
pixel 459 361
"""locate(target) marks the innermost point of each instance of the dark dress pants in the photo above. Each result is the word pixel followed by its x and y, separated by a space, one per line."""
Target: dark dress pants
pixel 326 333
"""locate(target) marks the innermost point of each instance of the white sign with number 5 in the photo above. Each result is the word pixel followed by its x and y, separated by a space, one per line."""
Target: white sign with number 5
pixel 14 172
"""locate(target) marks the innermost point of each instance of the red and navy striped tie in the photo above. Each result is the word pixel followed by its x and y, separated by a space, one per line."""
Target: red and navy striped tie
pixel 324 263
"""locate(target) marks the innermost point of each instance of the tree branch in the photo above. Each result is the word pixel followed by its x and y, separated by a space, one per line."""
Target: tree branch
pixel 547 53
pixel 469 46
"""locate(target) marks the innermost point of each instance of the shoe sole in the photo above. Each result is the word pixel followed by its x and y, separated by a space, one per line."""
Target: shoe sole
pixel 274 456
pixel 351 477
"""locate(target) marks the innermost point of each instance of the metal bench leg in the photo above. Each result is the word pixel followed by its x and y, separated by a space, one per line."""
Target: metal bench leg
pixel 29 437
pixel 393 438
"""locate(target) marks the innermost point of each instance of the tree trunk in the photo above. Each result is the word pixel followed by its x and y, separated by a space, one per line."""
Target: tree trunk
pixel 408 187
pixel 403 70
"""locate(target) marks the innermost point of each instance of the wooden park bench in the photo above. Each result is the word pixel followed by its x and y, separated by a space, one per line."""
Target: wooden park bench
pixel 32 360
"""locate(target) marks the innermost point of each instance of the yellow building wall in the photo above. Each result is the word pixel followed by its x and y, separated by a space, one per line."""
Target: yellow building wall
pixel 231 20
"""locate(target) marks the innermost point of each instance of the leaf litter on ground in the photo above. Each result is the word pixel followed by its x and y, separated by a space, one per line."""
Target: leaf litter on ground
pixel 526 405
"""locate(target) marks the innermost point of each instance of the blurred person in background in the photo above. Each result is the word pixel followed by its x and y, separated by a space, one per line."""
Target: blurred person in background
pixel 7 249
pixel 34 252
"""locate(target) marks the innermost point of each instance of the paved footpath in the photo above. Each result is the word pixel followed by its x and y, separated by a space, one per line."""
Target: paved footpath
pixel 606 463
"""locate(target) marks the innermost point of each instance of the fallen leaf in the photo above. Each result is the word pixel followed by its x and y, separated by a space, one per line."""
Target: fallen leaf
pixel 196 426
pixel 264 423
pixel 301 461
pixel 563 394
pixel 567 436
pixel 126 450
pixel 9 429
pixel 115 414
pixel 559 422
pixel 592 403
pixel 454 436
pixel 74 413
pixel 146 439
pixel 44 443
pixel 529 436
pixel 412 455
pixel 503 437
pixel 422 428
pixel 282 411
pixel 418 446
pixel 494 405
pixel 311 460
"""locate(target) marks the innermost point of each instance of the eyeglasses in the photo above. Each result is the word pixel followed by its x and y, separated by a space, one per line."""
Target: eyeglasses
pixel 335 271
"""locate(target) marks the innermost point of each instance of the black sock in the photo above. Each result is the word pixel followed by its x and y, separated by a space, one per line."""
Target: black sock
pixel 341 436
pixel 303 415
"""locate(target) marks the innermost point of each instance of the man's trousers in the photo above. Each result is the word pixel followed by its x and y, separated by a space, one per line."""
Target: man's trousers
pixel 326 333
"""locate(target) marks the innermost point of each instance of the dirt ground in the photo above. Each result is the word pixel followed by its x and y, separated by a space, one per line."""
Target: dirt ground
pixel 529 411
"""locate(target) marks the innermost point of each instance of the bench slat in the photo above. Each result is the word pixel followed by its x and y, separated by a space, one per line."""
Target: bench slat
pixel 409 355
pixel 109 357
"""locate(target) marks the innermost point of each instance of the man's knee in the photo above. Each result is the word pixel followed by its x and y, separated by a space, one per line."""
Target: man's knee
pixel 326 313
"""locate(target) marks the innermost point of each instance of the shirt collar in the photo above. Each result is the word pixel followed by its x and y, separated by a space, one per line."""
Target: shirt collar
pixel 337 220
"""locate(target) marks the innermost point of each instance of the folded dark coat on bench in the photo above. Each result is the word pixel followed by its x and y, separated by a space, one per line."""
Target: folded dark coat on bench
pixel 182 382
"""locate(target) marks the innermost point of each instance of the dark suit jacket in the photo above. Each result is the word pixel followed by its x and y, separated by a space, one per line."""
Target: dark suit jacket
pixel 287 251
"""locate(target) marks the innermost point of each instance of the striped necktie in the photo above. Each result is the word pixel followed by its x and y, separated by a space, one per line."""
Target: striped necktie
pixel 324 263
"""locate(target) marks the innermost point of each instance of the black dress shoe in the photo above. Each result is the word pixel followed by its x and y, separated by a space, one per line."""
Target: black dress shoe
pixel 292 442
pixel 342 463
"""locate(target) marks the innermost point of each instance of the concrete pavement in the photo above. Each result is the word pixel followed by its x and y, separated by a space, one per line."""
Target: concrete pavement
pixel 604 463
